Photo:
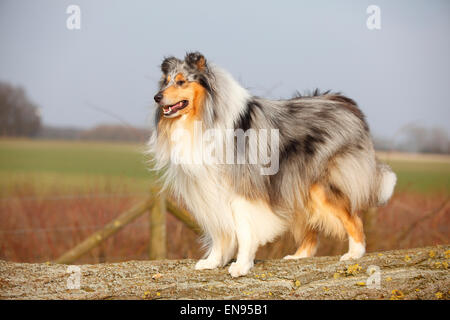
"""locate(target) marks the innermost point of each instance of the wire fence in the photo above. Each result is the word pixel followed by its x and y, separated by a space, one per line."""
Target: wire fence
pixel 415 218
pixel 74 196
pixel 59 229
pixel 65 197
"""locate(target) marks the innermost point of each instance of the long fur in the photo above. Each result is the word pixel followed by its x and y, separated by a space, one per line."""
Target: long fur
pixel 323 139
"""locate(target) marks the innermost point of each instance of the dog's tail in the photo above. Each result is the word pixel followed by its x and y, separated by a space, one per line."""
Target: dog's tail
pixel 386 183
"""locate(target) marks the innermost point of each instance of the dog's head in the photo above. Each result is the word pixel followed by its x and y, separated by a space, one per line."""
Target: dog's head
pixel 184 85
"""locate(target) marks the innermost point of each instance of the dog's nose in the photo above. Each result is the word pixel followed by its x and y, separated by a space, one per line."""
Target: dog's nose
pixel 158 97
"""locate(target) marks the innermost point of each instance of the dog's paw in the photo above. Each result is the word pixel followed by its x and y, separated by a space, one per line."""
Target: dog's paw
pixel 241 269
pixel 355 251
pixel 292 257
pixel 352 255
pixel 296 256
pixel 206 264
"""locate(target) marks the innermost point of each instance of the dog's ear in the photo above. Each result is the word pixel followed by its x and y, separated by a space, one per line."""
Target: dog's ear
pixel 195 60
pixel 168 64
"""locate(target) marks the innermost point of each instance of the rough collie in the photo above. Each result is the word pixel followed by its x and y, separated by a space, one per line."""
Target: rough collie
pixel 323 169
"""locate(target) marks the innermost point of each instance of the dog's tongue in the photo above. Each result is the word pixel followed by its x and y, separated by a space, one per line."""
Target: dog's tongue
pixel 179 104
pixel 173 109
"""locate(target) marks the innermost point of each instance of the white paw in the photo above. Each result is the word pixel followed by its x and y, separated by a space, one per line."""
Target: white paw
pixel 206 264
pixel 241 269
pixel 352 255
pixel 296 257
pixel 291 257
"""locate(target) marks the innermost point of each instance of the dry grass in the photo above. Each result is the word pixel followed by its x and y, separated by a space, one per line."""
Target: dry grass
pixel 40 228
pixel 39 222
pixel 409 220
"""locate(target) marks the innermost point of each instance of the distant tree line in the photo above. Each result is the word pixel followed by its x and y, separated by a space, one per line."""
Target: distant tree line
pixel 115 133
pixel 410 139
pixel 415 138
pixel 18 115
pixel 103 132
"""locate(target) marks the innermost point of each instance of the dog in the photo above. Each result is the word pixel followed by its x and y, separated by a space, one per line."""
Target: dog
pixel 327 171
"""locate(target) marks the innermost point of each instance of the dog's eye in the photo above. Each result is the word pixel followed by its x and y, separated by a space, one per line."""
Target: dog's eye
pixel 181 82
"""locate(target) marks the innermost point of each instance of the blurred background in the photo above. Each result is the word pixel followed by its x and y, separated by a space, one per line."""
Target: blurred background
pixel 76 106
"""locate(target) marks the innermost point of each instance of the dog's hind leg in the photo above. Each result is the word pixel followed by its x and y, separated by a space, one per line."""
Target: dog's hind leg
pixel 356 241
pixel 351 222
pixel 308 246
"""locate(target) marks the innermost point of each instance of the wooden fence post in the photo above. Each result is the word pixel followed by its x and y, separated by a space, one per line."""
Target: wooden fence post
pixel 157 221
pixel 183 215
pixel 158 205
pixel 101 235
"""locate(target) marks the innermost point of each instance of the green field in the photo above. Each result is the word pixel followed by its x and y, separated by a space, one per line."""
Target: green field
pixel 84 166
pixel 422 176
pixel 69 166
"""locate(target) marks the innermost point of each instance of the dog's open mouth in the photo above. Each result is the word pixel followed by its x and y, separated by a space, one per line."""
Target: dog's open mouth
pixel 170 110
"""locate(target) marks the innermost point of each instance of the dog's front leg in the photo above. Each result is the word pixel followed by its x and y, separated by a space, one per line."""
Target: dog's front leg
pixel 246 250
pixel 246 238
pixel 222 250
pixel 214 257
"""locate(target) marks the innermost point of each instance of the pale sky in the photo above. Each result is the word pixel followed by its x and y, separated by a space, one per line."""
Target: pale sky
pixel 398 75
